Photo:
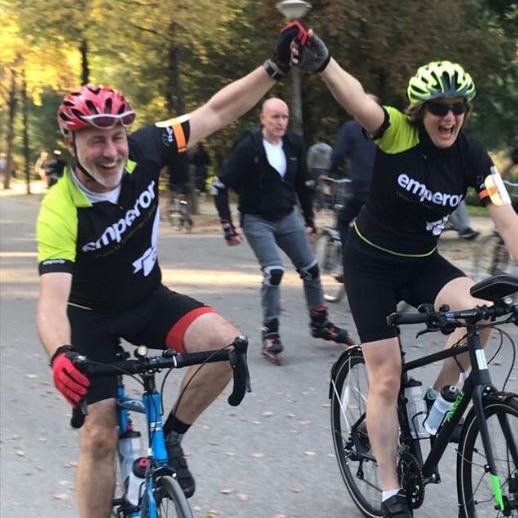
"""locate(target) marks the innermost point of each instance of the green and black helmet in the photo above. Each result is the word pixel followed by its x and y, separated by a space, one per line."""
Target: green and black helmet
pixel 440 79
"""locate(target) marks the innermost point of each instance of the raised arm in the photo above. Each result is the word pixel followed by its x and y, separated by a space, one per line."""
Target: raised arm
pixel 313 56
pixel 237 98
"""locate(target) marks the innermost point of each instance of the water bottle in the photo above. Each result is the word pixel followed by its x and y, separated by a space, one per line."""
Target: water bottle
pixel 135 481
pixel 441 406
pixel 130 449
pixel 416 408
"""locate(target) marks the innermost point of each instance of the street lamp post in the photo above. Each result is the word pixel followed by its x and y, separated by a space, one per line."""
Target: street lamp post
pixel 295 10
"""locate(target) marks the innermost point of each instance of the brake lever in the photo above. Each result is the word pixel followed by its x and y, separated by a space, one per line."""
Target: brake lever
pixel 78 415
pixel 237 359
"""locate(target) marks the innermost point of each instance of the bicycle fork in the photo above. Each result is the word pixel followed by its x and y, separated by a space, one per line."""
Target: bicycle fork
pixel 477 387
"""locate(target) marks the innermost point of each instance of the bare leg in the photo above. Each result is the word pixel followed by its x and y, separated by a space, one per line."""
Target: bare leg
pixel 456 295
pixel 383 361
pixel 95 480
pixel 209 331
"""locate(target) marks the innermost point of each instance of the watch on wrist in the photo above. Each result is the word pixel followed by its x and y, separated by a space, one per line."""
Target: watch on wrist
pixel 272 70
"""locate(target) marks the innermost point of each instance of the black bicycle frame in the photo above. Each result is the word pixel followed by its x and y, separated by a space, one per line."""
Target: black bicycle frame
pixel 477 386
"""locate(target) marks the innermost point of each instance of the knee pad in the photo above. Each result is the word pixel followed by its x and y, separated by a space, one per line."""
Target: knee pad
pixel 272 275
pixel 310 273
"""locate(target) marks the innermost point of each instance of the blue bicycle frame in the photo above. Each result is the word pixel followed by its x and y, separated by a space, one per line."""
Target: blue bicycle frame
pixel 149 404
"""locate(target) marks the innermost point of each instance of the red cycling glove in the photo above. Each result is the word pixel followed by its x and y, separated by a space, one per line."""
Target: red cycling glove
pixel 68 379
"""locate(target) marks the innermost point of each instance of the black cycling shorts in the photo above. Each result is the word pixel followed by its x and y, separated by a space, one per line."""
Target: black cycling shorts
pixel 159 323
pixel 377 281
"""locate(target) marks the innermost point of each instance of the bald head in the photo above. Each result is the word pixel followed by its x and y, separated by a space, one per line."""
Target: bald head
pixel 274 119
pixel 274 103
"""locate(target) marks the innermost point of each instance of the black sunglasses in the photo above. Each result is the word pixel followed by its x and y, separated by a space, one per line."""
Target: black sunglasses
pixel 442 109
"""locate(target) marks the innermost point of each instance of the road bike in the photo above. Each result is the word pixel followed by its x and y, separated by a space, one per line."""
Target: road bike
pixel 159 494
pixel 328 248
pixel 179 212
pixel 487 454
pixel 491 255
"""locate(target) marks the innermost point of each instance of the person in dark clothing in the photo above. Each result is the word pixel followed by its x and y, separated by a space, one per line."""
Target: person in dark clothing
pixel 359 151
pixel 180 188
pixel 179 179
pixel 424 165
pixel 100 277
pixel 200 160
pixel 268 171
pixel 54 168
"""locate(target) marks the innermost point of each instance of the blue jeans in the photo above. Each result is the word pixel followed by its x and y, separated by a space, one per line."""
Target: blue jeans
pixel 267 238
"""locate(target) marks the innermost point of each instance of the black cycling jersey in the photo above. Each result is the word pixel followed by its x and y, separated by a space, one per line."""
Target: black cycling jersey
pixel 111 249
pixel 416 186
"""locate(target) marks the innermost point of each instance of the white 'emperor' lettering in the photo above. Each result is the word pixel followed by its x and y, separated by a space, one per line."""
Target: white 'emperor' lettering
pixel 424 194
pixel 114 233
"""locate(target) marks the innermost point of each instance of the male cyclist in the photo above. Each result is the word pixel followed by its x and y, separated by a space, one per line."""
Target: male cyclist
pixel 100 280
pixel 424 164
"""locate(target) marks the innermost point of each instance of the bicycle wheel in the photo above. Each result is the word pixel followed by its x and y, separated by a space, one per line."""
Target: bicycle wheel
pixel 475 487
pixel 328 251
pixel 349 389
pixel 170 500
pixel 491 257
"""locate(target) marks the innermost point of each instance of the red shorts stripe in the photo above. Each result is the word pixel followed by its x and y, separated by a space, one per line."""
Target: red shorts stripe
pixel 174 339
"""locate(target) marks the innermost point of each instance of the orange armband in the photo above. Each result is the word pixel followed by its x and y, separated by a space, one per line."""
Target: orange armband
pixel 494 189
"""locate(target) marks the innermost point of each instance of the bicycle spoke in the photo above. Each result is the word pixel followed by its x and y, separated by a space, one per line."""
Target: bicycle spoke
pixel 355 460
pixel 476 487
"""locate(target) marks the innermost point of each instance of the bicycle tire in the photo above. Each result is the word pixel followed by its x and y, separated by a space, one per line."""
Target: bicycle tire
pixel 349 389
pixel 170 499
pixel 491 257
pixel 328 251
pixel 475 491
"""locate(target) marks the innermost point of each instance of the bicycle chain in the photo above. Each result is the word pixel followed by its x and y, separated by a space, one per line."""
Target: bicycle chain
pixel 411 477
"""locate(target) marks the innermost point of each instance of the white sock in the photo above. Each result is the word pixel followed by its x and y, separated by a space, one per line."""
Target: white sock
pixel 387 494
pixel 432 393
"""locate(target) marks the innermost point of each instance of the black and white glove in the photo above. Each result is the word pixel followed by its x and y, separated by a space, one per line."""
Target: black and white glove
pixel 313 54
pixel 280 63
pixel 229 231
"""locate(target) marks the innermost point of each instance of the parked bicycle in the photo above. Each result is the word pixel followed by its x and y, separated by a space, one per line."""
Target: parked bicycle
pixel 148 485
pixel 491 255
pixel 487 455
pixel 328 248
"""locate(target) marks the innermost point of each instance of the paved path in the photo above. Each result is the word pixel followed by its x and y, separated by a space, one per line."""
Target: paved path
pixel 271 457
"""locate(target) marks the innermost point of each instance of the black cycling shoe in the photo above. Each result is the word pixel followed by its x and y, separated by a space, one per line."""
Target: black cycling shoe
pixel 396 506
pixel 178 463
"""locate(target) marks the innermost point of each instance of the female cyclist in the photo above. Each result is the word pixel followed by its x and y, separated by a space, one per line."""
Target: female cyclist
pixel 424 164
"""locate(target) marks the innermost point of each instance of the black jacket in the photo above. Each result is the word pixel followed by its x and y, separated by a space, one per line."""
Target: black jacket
pixel 260 188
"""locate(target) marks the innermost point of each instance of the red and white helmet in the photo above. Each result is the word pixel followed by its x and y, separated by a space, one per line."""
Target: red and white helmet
pixel 94 106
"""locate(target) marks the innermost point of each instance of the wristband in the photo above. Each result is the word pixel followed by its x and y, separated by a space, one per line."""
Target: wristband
pixel 58 351
pixel 324 64
pixel 272 71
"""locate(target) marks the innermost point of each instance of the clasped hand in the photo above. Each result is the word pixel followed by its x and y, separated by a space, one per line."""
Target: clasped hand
pixel 307 50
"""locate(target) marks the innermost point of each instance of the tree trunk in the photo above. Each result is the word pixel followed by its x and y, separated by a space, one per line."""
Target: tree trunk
pixel 12 103
pixel 26 153
pixel 85 69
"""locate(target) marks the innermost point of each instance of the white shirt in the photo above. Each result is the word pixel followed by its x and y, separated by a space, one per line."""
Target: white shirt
pixel 275 156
